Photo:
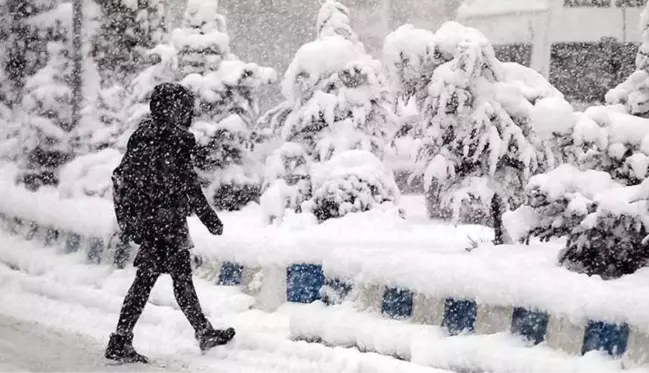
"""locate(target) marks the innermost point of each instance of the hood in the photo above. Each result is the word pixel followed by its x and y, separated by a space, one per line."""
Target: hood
pixel 172 104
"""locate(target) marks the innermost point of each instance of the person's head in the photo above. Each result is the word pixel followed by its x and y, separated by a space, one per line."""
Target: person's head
pixel 172 103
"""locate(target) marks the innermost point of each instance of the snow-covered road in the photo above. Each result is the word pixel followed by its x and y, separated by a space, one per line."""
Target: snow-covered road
pixel 56 314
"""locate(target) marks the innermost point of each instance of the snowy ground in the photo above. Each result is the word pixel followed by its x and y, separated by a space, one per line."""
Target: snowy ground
pixel 56 314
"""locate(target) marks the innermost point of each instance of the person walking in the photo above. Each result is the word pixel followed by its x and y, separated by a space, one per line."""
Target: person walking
pixel 155 189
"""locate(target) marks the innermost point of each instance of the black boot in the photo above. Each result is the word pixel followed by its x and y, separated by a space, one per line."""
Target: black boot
pixel 120 348
pixel 211 337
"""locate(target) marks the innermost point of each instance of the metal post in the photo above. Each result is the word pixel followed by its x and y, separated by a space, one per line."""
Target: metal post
pixel 77 58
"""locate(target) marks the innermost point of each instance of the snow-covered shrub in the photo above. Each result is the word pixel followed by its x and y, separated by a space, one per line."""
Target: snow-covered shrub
pixel 478 129
pixel 612 241
pixel 336 100
pixel 557 202
pixel 351 181
pixel 227 93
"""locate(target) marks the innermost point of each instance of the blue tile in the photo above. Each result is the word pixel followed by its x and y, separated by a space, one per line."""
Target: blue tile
pixel 603 336
pixel 122 251
pixel 459 316
pixel 72 243
pixel 335 290
pixel 397 303
pixel 303 282
pixel 51 235
pixel 530 324
pixel 96 250
pixel 230 274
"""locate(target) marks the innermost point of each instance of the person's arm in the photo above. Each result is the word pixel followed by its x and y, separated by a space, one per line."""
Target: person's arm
pixel 197 201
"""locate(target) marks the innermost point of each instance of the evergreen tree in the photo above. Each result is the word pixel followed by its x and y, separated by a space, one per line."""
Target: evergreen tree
pixel 47 104
pixel 128 30
pixel 226 91
pixel 25 46
pixel 162 68
pixel 337 112
pixel 479 143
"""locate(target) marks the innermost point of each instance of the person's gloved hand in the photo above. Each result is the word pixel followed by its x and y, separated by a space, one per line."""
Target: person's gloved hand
pixel 216 228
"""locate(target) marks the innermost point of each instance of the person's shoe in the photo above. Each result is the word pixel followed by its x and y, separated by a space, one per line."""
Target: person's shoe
pixel 120 348
pixel 211 337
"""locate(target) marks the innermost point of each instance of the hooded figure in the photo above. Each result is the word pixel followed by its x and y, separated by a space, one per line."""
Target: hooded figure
pixel 155 190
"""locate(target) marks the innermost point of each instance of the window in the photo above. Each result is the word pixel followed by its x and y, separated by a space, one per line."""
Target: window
pixel 588 3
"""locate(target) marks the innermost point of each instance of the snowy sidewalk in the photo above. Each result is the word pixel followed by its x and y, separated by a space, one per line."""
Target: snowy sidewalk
pixel 56 305
pixel 28 347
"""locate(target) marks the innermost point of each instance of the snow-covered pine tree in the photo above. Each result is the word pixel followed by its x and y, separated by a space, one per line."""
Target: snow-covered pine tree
pixel 128 30
pixel 338 113
pixel 162 68
pixel 226 91
pixel 410 57
pixel 47 105
pixel 26 43
pixel 479 142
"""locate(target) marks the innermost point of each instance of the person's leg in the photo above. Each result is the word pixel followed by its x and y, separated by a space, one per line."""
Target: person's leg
pixel 187 299
pixel 120 345
pixel 185 292
pixel 135 300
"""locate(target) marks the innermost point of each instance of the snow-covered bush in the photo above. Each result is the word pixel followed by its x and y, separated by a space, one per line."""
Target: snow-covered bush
pixel 557 202
pixel 351 181
pixel 481 133
pixel 227 93
pixel 336 100
pixel 612 241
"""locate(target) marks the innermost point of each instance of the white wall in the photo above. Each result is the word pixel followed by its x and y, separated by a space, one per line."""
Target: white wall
pixel 568 24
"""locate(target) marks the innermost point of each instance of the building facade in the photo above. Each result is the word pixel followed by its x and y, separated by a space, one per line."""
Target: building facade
pixel 585 47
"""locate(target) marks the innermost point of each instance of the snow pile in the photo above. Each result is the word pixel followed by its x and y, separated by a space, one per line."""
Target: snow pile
pixel 336 100
pixel 428 345
pixel 552 115
pixel 89 216
pixel 89 175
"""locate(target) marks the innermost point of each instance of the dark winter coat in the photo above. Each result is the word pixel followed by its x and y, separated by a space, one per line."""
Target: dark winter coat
pixel 158 164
